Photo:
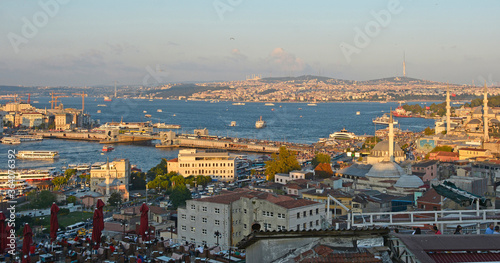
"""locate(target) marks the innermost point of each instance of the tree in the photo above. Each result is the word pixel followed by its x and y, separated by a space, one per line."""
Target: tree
pixel 138 181
pixel 179 196
pixel 323 170
pixel 283 162
pixel 60 180
pixel 429 131
pixel 115 199
pixel 40 200
pixel 71 199
pixel 69 172
pixel 203 180
pixel 320 158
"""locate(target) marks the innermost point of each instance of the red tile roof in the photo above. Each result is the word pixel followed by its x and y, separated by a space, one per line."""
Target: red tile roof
pixel 431 196
pixel 173 160
pixel 295 203
pixel 227 197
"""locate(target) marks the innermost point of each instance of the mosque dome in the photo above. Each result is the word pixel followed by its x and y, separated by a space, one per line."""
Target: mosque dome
pixel 474 122
pixel 382 149
pixel 386 169
pixel 479 110
pixel 409 181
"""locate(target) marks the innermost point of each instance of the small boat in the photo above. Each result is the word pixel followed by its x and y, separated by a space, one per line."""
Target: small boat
pixel 159 110
pixel 173 115
pixel 312 104
pixel 272 109
pixel 358 113
pixel 150 99
pixel 102 105
pixel 233 123
pixel 107 98
pixel 239 103
pixel 107 148
pixel 144 111
pixel 147 115
pixel 269 104
pixel 98 111
pixel 35 101
pixel 300 108
pixel 260 123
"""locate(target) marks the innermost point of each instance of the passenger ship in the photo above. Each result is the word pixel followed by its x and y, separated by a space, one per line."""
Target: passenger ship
pixel 29 175
pixel 44 155
pixel 342 135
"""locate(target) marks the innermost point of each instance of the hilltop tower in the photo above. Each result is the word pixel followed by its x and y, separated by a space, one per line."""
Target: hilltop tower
pixel 404 65
pixel 448 111
pixel 391 138
pixel 485 112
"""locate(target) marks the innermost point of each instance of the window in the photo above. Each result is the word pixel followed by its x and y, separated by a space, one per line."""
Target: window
pixel 204 231
pixel 317 222
pixel 298 216
pixel 203 243
pixel 305 226
pixel 183 228
pixel 264 213
pixel 244 226
pixel 217 210
pixel 311 212
pixel 298 227
pixel 311 224
pixel 244 211
pixel 305 213
pixel 193 218
pixel 204 220
pixel 183 216
pixel 193 229
pixel 217 222
pixel 204 209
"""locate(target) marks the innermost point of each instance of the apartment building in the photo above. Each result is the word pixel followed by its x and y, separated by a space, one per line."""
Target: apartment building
pixel 217 164
pixel 229 217
pixel 111 177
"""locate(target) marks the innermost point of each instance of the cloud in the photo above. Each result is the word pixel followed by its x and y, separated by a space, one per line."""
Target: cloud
pixel 236 55
pixel 286 61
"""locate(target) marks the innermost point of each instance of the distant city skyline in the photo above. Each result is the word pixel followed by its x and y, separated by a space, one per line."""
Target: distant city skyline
pixel 77 43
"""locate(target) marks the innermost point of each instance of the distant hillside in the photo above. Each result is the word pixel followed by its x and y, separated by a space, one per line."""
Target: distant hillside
pixel 305 78
pixel 185 90
pixel 399 81
pixel 383 81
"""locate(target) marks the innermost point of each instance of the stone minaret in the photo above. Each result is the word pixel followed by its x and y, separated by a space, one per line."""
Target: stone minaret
pixel 448 111
pixel 485 112
pixel 108 175
pixel 391 138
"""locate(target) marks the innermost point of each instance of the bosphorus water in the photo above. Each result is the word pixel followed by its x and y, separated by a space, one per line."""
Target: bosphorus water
pixel 293 122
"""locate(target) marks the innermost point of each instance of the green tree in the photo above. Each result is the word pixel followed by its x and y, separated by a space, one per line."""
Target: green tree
pixel 115 199
pixel 203 180
pixel 320 158
pixel 69 172
pixel 179 196
pixel 71 199
pixel 60 180
pixel 283 162
pixel 42 199
pixel 138 181
pixel 429 131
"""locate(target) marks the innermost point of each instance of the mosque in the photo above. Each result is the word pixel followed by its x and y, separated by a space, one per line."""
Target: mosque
pixel 381 171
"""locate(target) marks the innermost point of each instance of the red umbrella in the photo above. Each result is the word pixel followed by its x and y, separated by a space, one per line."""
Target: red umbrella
pixel 3 233
pixel 28 239
pixel 98 223
pixel 144 220
pixel 54 224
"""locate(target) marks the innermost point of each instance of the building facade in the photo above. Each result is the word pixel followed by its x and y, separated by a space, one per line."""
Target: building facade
pixel 214 163
pixel 110 178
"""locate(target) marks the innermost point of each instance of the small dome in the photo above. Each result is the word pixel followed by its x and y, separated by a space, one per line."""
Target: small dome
pixel 479 110
pixel 495 121
pixel 386 169
pixel 384 146
pixel 474 122
pixel 409 181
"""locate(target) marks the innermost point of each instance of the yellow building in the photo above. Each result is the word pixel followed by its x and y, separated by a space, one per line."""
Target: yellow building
pixel 321 196
pixel 214 163
pixel 110 178
pixel 472 153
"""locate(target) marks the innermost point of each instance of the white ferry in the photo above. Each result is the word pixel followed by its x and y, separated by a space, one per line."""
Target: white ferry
pixel 269 104
pixel 342 135
pixel 260 123
pixel 239 103
pixel 312 104
pixel 11 140
pixel 233 124
pixel 29 175
pixel 159 110
pixel 162 125
pixel 384 119
pixel 37 155
pixel 29 138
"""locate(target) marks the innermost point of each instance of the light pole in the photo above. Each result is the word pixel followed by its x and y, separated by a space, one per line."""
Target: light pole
pixel 124 224
pixel 217 234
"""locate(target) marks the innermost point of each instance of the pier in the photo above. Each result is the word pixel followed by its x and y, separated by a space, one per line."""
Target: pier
pixel 170 139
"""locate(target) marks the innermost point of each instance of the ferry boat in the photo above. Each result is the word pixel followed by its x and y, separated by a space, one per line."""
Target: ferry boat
pixel 29 175
pixel 29 138
pixel 144 111
pixel 83 167
pixel 11 140
pixel 342 135
pixel 107 148
pixel 269 104
pixel 384 119
pixel 401 112
pixel 106 98
pixel 102 105
pixel 159 110
pixel 233 123
pixel 358 113
pixel 166 126
pixel 260 123
pixel 38 155
pixel 239 103
pixel 147 115
pixel 98 111
pixel 312 104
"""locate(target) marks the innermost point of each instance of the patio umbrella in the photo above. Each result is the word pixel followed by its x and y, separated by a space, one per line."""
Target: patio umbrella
pixel 54 224
pixel 96 229
pixel 144 220
pixel 3 233
pixel 28 239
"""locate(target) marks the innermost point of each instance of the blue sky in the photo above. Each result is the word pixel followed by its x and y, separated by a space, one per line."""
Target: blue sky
pixel 145 42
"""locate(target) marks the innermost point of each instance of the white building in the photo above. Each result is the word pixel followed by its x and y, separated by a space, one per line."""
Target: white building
pixel 293 175
pixel 232 214
pixel 214 163
pixel 110 178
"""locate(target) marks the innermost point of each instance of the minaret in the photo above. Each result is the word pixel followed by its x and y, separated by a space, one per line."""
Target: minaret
pixel 107 178
pixel 485 112
pixel 391 138
pixel 448 111
pixel 404 65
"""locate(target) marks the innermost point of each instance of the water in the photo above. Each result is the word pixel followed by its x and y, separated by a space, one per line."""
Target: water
pixel 294 122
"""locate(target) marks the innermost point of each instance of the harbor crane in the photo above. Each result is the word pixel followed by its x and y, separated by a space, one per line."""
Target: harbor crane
pixel 83 94
pixel 55 96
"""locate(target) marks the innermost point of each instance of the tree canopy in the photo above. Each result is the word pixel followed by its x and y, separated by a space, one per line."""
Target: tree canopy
pixel 42 199
pixel 115 199
pixel 179 196
pixel 283 162
pixel 320 158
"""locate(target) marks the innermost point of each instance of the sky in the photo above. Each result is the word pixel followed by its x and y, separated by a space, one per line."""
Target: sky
pixel 91 42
